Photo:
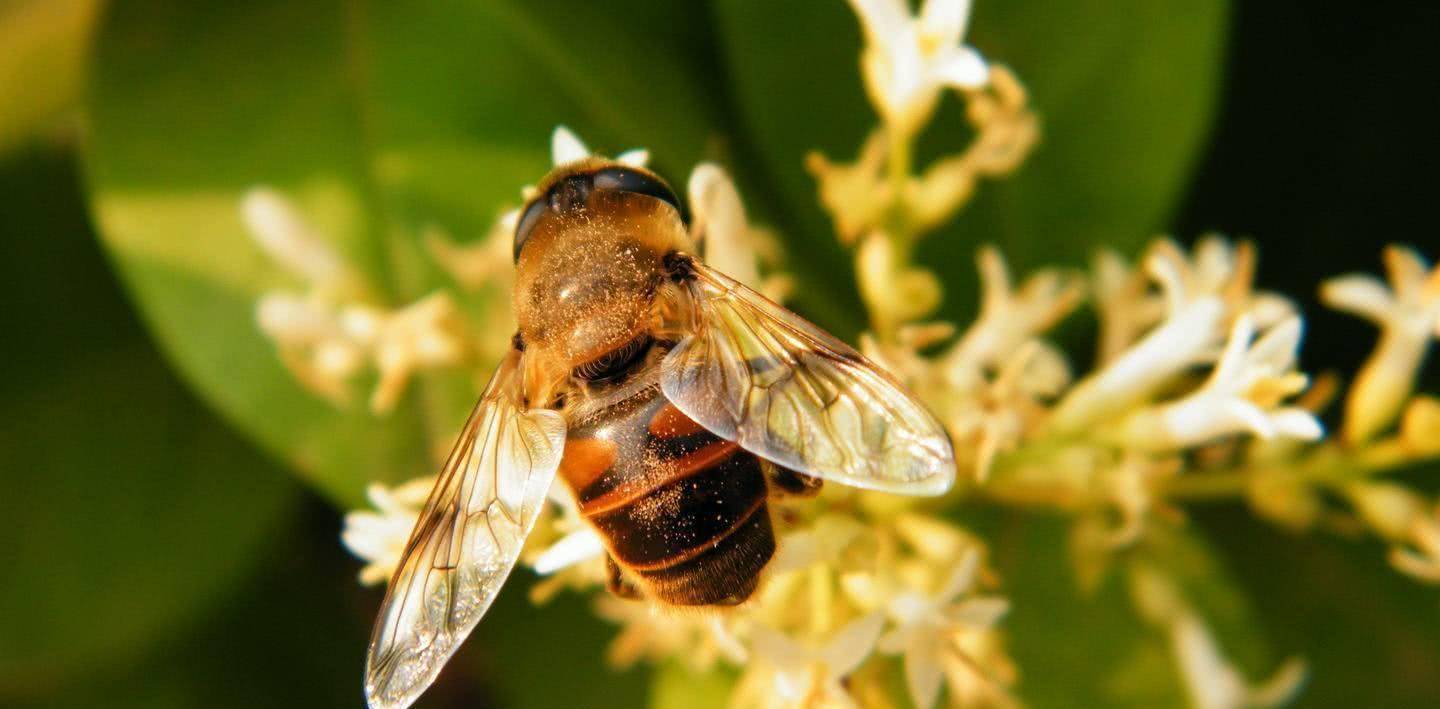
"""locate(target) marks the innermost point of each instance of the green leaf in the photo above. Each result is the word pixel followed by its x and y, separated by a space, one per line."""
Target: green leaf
pixel 137 511
pixel 42 64
pixel 382 121
pixel 129 510
pixel 1075 649
pixel 289 637
pixel 1124 90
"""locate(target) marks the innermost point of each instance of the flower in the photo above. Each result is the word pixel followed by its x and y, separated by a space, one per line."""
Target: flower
pixel 326 336
pixel 820 543
pixel 895 293
pixel 1219 269
pixel 379 537
pixel 487 261
pixel 786 672
pixel 856 195
pixel 861 195
pixel 726 239
pixel 1125 305
pixel 1130 487
pixel 992 417
pixel 287 239
pixel 1408 314
pixel 1198 296
pixel 1183 340
pixel 1006 129
pixel 987 387
pixel 485 264
pixel 425 334
pixel 1402 517
pixel 1242 394
pixel 1420 558
pixel 311 342
pixel 563 548
pixel 566 147
pixel 1420 426
pixel 1009 319
pixel 649 631
pixel 324 346
pixel 1213 683
pixel 927 626
pixel 571 549
pixel 908 60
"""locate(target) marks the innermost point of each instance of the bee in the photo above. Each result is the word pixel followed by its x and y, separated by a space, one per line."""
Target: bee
pixel 672 400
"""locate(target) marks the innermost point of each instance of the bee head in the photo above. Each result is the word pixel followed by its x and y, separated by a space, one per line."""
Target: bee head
pixel 589 252
pixel 569 189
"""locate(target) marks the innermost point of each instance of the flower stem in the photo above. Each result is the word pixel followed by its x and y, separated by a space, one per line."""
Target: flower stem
pixel 900 164
pixel 1330 466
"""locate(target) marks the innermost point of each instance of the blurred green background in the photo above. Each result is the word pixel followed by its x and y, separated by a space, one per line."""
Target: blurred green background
pixel 170 500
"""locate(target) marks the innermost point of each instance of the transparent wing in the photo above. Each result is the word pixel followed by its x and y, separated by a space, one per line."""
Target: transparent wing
pixel 757 374
pixel 466 540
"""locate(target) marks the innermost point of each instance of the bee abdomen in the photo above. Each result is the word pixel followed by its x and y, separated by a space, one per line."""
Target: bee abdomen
pixel 725 573
pixel 701 534
pixel 684 512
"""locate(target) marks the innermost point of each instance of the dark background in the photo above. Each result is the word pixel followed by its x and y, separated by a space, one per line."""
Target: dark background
pixel 1323 150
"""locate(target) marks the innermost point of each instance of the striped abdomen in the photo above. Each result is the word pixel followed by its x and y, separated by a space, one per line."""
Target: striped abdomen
pixel 682 510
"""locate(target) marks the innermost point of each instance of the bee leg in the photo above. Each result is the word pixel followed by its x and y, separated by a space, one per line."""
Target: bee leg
pixel 616 583
pixel 788 482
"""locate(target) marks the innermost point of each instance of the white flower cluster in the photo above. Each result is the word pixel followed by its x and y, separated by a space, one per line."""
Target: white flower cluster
pixel 327 334
pixel 845 586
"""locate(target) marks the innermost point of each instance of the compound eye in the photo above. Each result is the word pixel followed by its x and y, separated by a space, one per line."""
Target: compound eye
pixel 627 180
pixel 527 223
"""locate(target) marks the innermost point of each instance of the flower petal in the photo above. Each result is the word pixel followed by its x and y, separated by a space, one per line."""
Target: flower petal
pixel 961 578
pixel 1282 687
pixel 922 673
pixel 719 221
pixel 1212 682
pixel 1251 417
pixel 961 67
pixel 884 21
pixel 943 21
pixel 1231 367
pixel 1407 269
pixel 1360 294
pixel 573 548
pixel 850 645
pixel 283 234
pixel 566 147
pixel 979 613
pixel 777 648
pixel 634 158
pixel 1298 423
pixel 1278 346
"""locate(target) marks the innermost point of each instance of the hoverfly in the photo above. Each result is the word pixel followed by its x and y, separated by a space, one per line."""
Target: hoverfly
pixel 672 400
